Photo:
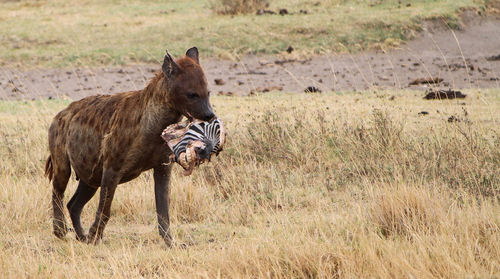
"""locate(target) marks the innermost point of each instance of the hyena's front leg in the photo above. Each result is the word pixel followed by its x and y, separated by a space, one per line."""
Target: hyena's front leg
pixel 162 198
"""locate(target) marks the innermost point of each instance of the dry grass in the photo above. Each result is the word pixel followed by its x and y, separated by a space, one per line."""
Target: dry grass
pixel 314 186
pixel 234 7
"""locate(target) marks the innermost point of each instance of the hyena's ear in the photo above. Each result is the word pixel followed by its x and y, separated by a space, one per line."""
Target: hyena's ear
pixel 170 68
pixel 193 54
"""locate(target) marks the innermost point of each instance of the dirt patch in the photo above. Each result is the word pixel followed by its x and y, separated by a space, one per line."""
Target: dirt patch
pixel 461 59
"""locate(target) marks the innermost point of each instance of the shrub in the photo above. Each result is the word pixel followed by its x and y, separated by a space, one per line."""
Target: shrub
pixel 233 7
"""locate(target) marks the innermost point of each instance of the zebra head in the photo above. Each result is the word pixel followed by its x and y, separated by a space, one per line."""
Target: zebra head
pixel 194 143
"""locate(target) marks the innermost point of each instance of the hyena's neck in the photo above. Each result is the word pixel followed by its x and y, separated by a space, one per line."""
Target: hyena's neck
pixel 158 113
pixel 156 118
pixel 156 92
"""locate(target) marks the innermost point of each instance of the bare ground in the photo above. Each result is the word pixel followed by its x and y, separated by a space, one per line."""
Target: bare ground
pixel 466 58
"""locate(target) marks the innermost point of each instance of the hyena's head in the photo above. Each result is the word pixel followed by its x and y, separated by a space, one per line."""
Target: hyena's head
pixel 187 86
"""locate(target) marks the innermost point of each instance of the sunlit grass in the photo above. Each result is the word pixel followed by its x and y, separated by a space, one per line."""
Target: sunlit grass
pixel 332 185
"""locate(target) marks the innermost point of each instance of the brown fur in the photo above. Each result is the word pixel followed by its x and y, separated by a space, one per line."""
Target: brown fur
pixel 112 139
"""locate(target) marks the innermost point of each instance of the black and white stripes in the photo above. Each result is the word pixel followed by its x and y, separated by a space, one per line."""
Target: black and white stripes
pixel 207 132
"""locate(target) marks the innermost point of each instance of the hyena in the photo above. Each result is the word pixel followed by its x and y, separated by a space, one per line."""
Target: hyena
pixel 112 139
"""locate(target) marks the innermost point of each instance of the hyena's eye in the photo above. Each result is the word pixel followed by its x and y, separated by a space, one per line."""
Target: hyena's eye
pixel 192 96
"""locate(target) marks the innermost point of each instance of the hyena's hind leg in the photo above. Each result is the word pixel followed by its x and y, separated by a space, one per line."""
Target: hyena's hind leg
pixel 82 195
pixel 60 171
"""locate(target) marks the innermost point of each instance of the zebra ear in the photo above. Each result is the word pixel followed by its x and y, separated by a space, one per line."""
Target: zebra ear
pixel 169 68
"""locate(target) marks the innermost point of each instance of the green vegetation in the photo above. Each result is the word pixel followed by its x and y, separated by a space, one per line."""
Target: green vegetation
pixel 74 33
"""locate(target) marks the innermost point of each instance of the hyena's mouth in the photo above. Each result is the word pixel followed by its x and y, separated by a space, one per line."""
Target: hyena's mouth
pixel 188 116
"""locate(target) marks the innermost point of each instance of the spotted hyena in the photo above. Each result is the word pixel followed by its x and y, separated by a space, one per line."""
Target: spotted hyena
pixel 112 139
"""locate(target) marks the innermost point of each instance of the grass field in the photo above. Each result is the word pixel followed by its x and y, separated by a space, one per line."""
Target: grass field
pixel 75 33
pixel 330 185
pixel 353 185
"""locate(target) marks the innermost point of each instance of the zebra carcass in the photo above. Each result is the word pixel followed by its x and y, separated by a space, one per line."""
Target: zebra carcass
pixel 193 143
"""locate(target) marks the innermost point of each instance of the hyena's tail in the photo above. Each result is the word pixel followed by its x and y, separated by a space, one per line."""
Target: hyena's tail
pixel 49 168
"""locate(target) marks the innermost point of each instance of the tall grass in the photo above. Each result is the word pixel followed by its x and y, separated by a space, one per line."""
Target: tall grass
pixel 343 187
